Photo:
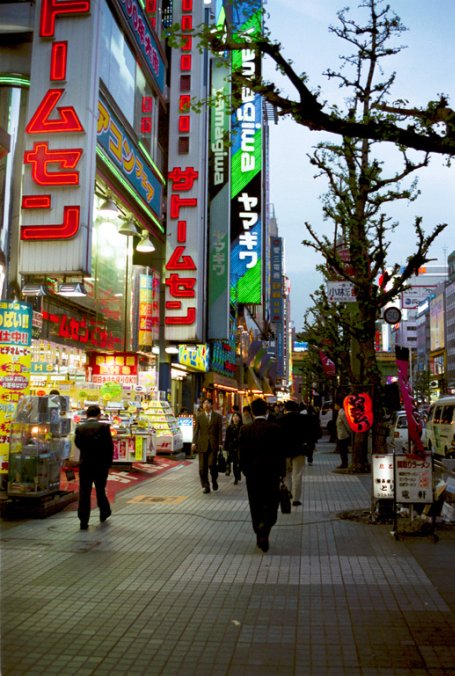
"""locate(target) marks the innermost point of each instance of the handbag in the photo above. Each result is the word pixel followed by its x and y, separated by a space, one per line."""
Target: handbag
pixel 285 498
pixel 221 462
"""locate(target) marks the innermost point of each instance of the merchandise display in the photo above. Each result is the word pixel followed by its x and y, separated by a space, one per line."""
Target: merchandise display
pixel 169 437
pixel 133 434
pixel 39 444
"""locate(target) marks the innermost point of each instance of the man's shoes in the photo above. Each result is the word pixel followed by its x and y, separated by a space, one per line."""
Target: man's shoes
pixel 206 490
pixel 342 467
pixel 296 503
pixel 104 517
pixel 236 482
pixel 215 485
pixel 84 526
pixel 310 462
pixel 263 543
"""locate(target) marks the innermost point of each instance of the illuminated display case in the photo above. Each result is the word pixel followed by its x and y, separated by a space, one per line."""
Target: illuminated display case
pixel 133 435
pixel 39 445
pixel 169 437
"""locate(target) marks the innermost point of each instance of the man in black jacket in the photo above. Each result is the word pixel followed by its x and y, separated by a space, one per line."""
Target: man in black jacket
pixel 94 440
pixel 299 434
pixel 262 462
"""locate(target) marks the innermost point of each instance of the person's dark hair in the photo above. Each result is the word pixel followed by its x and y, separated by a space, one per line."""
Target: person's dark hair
pixel 54 392
pixel 259 407
pixel 290 405
pixel 207 399
pixel 93 411
pixel 247 409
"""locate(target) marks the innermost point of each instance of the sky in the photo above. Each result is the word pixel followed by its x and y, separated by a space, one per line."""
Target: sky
pixel 424 70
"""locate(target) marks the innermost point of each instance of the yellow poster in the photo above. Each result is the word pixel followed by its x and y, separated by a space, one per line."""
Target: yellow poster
pixel 15 365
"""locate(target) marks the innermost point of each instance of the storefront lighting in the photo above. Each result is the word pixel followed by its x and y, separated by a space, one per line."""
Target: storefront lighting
pixel 71 290
pixel 128 228
pixel 108 208
pixel 171 349
pixel 34 290
pixel 145 245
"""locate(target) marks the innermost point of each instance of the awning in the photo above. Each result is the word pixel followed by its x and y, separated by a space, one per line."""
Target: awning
pixel 212 379
pixel 266 387
pixel 252 381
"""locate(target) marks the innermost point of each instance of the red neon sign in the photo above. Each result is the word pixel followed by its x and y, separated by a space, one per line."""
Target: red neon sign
pixel 54 167
pixel 50 9
pixel 65 230
pixel 41 157
pixel 59 56
pixel 67 121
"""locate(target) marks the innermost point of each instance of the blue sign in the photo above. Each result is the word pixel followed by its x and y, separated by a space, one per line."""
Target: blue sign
pixel 123 152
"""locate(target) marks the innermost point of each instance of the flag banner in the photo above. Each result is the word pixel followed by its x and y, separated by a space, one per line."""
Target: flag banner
pixel 412 414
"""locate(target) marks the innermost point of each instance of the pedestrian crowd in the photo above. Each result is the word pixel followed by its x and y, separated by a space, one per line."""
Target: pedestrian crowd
pixel 269 446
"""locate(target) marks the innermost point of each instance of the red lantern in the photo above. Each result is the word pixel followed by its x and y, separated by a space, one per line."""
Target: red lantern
pixel 359 411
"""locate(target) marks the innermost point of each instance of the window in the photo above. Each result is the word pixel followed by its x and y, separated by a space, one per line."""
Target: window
pixel 127 84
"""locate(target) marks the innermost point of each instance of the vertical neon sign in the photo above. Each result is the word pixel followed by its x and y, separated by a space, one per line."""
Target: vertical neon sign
pixel 246 168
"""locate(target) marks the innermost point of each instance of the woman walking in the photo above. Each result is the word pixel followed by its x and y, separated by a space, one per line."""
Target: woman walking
pixel 231 446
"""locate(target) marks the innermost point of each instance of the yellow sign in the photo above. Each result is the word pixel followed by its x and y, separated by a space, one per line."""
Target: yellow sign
pixel 15 366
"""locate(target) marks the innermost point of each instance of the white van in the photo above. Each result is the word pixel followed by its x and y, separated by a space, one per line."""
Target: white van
pixel 440 432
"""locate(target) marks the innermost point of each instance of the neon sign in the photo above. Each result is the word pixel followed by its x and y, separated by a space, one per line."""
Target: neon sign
pixel 54 167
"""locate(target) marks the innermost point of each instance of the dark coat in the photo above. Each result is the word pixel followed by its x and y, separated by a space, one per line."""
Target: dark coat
pixel 261 450
pixel 298 430
pixel 205 433
pixel 231 441
pixel 94 440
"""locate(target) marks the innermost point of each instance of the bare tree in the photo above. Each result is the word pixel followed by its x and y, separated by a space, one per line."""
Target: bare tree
pixel 358 193
pixel 429 127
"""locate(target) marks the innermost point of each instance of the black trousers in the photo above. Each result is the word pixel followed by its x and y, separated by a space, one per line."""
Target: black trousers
pixel 343 449
pixel 264 497
pixel 207 462
pixel 87 477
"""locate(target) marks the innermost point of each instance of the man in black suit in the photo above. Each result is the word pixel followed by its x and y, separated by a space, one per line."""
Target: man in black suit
pixel 263 463
pixel 207 441
pixel 94 440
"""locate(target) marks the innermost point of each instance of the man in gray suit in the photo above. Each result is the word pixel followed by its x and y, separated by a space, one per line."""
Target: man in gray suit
pixel 207 441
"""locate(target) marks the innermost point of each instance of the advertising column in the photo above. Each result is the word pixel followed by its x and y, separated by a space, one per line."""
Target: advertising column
pixel 15 364
pixel 246 167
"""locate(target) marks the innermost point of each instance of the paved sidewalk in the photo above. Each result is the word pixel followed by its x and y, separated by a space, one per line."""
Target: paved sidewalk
pixel 173 584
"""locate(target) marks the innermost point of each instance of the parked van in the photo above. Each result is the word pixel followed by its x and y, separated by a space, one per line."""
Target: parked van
pixel 440 433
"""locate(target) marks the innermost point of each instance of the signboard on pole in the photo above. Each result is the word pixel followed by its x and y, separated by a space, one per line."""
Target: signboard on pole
pixel 382 468
pixel 414 479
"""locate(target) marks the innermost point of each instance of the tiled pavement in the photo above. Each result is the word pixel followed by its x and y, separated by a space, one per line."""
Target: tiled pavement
pixel 173 584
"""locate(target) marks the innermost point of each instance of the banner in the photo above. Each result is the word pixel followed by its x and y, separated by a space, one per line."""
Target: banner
pixel 412 414
pixel 328 365
pixel 15 364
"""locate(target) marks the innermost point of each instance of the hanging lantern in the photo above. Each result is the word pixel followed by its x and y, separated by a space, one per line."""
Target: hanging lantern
pixel 359 411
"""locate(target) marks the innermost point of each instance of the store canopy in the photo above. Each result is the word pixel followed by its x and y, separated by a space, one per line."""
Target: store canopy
pixel 266 388
pixel 252 381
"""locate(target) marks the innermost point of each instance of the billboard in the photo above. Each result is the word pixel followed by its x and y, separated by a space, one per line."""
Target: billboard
pixel 60 133
pixel 219 204
pixel 184 269
pixel 246 166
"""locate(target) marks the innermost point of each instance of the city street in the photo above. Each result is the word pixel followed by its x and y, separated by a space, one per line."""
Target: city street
pixel 174 584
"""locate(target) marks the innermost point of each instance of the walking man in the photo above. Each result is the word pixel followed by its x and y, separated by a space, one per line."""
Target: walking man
pixel 207 441
pixel 296 444
pixel 94 440
pixel 263 463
